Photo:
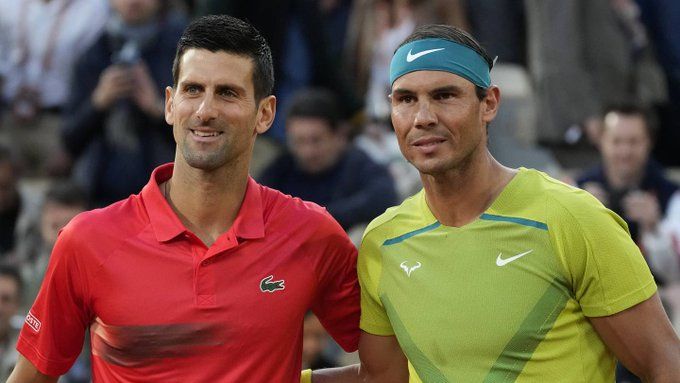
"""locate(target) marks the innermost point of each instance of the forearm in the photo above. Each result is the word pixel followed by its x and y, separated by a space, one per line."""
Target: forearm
pixel 666 367
pixel 26 372
pixel 348 374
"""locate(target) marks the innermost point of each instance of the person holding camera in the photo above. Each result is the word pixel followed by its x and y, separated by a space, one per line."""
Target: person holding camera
pixel 114 124
pixel 39 44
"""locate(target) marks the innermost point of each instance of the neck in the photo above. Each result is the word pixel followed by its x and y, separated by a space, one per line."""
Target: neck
pixel 460 195
pixel 207 202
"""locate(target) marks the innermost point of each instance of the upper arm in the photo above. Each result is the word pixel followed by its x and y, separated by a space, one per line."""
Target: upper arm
pixel 26 372
pixel 643 339
pixel 337 301
pixel 382 359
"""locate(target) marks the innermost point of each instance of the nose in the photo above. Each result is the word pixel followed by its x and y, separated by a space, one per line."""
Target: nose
pixel 206 110
pixel 425 117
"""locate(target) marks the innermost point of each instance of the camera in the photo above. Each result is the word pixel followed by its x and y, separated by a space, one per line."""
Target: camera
pixel 128 55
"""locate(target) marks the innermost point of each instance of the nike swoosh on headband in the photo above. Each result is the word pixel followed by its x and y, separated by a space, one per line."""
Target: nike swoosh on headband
pixel 410 57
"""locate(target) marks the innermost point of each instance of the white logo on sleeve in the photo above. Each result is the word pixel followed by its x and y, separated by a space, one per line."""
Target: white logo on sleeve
pixel 409 270
pixel 33 322
pixel 410 57
pixel 502 262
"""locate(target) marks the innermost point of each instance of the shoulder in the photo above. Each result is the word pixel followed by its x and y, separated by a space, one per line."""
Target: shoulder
pixel 557 195
pixel 281 165
pixel 282 209
pixel 573 213
pixel 396 220
pixel 593 174
pixel 105 227
pixel 355 157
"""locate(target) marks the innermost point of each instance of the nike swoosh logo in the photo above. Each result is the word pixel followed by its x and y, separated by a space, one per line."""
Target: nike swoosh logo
pixel 502 262
pixel 410 57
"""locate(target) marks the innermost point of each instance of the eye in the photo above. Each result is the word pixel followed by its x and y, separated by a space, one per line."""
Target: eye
pixel 192 89
pixel 406 99
pixel 227 93
pixel 444 96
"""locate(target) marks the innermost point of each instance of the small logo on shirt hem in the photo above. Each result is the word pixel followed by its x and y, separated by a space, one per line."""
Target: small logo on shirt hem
pixel 33 322
pixel 267 286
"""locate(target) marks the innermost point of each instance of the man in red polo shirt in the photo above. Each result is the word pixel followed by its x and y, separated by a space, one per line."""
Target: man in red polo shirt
pixel 205 276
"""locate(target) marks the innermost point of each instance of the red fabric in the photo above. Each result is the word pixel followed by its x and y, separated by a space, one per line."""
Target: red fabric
pixel 163 307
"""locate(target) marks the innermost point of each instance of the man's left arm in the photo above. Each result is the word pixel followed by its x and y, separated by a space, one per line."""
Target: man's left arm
pixel 644 340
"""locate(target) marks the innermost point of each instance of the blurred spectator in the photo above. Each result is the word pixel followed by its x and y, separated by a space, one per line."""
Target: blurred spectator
pixel 40 42
pixel 115 118
pixel 63 201
pixel 662 19
pixel 10 300
pixel 584 55
pixel 380 143
pixel 376 29
pixel 314 343
pixel 18 211
pixel 664 243
pixel 322 167
pixel 296 31
pixel 629 182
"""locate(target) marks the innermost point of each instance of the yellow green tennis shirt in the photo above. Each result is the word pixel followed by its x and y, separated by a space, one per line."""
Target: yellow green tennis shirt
pixel 505 297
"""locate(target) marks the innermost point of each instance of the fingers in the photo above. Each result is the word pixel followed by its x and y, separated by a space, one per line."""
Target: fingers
pixel 115 83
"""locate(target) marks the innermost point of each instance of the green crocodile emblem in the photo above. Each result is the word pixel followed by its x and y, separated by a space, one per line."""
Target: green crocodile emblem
pixel 266 285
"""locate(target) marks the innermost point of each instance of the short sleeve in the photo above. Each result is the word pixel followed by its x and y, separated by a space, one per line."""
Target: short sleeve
pixel 374 318
pixel 337 301
pixel 53 333
pixel 607 272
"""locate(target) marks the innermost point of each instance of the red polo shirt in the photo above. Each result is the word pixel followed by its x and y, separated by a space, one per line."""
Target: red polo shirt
pixel 163 307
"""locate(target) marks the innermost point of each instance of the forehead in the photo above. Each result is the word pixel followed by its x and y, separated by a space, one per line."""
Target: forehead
pixel 427 80
pixel 8 282
pixel 206 67
pixel 622 124
pixel 307 126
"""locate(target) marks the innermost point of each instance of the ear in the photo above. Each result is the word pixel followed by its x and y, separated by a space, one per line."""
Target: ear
pixel 169 117
pixel 490 104
pixel 265 114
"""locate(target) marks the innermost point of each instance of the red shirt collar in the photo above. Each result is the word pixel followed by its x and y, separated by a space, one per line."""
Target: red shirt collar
pixel 249 223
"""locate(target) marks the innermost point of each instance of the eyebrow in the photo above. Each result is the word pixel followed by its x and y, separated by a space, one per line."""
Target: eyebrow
pixel 218 87
pixel 447 88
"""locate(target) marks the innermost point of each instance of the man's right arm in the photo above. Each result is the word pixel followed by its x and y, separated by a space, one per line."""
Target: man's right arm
pixel 382 361
pixel 26 372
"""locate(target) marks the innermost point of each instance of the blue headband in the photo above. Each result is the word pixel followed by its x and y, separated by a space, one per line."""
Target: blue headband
pixel 440 55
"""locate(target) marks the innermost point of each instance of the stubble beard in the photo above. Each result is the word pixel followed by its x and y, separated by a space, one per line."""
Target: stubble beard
pixel 204 160
pixel 446 165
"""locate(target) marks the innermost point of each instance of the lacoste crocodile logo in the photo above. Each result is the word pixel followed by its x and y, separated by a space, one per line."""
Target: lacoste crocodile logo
pixel 267 286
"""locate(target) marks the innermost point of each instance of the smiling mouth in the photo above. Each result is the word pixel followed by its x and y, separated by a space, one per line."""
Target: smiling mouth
pixel 205 134
pixel 426 143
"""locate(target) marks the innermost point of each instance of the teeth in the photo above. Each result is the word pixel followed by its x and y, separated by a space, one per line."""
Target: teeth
pixel 205 134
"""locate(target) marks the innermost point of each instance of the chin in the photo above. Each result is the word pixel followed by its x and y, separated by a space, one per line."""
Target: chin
pixel 206 161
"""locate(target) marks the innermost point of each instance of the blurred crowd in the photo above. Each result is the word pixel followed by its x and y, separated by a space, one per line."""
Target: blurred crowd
pixel 590 94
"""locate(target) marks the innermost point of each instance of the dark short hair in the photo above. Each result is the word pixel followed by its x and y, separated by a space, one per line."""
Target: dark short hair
pixel 12 271
pixel 451 33
pixel 66 193
pixel 315 103
pixel 229 34
pixel 631 109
